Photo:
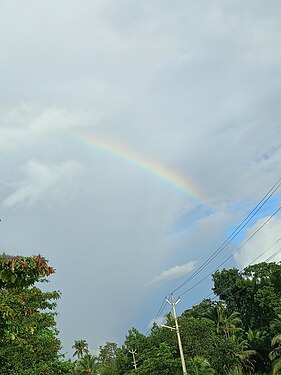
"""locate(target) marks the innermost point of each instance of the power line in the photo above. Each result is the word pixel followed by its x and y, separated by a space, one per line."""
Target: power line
pixel 201 300
pixel 238 291
pixel 240 227
pixel 273 255
pixel 234 252
pixel 252 262
pixel 244 287
pixel 161 309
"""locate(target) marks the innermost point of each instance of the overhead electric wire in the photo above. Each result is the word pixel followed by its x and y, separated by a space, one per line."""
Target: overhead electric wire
pixel 161 309
pixel 238 291
pixel 234 252
pixel 273 255
pixel 201 300
pixel 253 261
pixel 240 227
pixel 244 287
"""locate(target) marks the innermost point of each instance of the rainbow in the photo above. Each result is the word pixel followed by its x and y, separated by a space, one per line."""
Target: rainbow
pixel 154 168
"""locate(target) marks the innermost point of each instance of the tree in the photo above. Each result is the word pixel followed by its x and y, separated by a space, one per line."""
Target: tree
pixel 28 335
pixel 107 359
pixel 17 275
pixel 162 334
pixel 244 353
pixel 81 348
pixel 275 354
pixel 107 353
pixel 136 341
pixel 204 309
pixel 198 337
pixel 159 361
pixel 226 324
pixel 199 366
pixel 87 365
pixel 255 293
pixel 18 272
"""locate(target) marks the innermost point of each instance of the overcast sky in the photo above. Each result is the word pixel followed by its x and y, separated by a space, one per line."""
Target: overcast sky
pixel 105 107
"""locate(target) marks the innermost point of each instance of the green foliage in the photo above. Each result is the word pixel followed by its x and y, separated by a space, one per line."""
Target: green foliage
pixel 226 323
pixel 244 353
pixel 275 354
pixel 199 366
pixel 134 341
pixel 159 361
pixel 223 358
pixel 86 366
pixel 107 353
pixel 232 336
pixel 240 334
pixel 204 309
pixel 81 348
pixel 255 293
pixel 107 359
pixel 198 336
pixel 20 272
pixel 28 335
pixel 162 334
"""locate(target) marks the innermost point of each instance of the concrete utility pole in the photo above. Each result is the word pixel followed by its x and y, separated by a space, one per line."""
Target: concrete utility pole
pixel 133 352
pixel 177 329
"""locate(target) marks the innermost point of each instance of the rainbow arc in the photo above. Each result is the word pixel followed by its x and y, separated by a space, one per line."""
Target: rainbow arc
pixel 148 165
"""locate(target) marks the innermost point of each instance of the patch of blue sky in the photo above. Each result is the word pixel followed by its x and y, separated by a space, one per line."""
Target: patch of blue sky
pixel 186 222
pixel 267 210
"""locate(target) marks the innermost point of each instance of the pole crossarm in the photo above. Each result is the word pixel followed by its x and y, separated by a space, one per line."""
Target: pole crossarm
pixel 134 362
pixel 171 328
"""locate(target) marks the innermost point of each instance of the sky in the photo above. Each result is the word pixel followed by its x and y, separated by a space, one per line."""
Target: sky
pixel 134 137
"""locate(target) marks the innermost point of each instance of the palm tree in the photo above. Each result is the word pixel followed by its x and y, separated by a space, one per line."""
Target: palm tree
pixel 275 354
pixel 226 324
pixel 199 366
pixel 81 348
pixel 87 365
pixel 244 354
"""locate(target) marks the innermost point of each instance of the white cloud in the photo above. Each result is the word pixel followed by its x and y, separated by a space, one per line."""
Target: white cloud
pixel 27 125
pixel 174 272
pixel 52 118
pixel 159 321
pixel 43 182
pixel 263 242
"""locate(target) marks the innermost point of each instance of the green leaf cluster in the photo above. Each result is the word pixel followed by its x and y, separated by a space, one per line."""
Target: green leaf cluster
pixel 28 336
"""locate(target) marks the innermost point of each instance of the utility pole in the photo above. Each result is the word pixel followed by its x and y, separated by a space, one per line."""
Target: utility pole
pixel 133 352
pixel 177 329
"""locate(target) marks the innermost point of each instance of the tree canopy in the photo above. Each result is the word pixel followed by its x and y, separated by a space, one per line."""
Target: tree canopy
pixel 238 333
pixel 28 334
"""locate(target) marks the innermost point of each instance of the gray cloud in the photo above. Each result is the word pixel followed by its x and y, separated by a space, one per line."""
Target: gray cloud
pixel 43 182
pixel 195 87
